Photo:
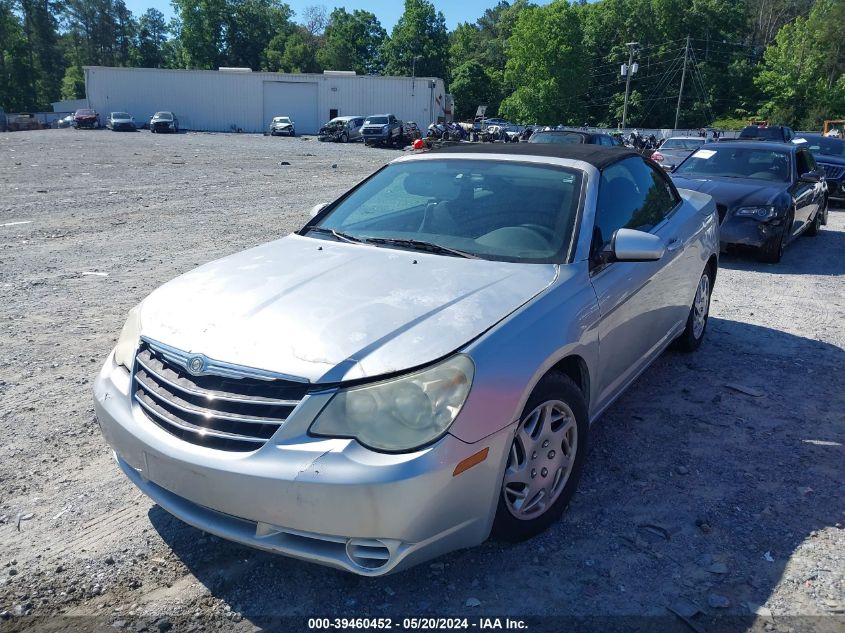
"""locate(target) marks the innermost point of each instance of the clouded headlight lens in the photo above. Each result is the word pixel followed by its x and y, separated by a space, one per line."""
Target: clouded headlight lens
pixel 127 344
pixel 400 414
pixel 758 213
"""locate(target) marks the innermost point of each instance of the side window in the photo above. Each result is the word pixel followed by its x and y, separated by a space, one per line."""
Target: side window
pixel 632 195
pixel 802 162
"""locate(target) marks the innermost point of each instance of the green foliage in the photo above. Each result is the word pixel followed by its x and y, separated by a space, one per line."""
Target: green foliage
pixel 352 41
pixel 801 74
pixel 152 38
pixel 471 87
pixel 419 34
pixel 545 59
pixel 73 83
pixel 730 123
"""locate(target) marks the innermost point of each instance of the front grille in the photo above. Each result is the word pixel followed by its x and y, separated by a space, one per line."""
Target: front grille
pixel 833 172
pixel 722 210
pixel 228 407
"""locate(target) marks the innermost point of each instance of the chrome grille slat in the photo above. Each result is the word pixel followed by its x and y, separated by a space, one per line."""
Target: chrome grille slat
pixel 177 403
pixel 225 407
pixel 184 426
pixel 213 395
pixel 834 172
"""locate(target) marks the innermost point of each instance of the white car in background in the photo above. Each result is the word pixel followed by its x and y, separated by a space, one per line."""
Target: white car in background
pixel 282 125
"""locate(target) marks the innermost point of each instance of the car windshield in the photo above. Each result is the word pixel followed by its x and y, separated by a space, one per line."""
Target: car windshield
pixel 562 138
pixel 826 146
pixel 477 207
pixel 376 120
pixel 281 119
pixel 737 162
pixel 84 112
pixel 164 115
pixel 682 143
pixel 763 133
pixel 120 115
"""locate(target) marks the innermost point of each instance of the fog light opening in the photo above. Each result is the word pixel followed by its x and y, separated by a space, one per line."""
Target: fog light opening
pixel 367 553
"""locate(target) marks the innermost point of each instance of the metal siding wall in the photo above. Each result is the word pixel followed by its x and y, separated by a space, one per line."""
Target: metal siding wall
pixel 216 101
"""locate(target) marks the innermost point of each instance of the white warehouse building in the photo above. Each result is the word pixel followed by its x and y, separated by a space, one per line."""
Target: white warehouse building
pixel 238 99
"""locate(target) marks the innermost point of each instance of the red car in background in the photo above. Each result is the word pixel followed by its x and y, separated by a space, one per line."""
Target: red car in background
pixel 86 118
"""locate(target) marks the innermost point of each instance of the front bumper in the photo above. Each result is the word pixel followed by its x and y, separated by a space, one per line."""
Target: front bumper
pixel 86 123
pixel 329 501
pixel 282 130
pixel 129 127
pixel 162 127
pixel 741 231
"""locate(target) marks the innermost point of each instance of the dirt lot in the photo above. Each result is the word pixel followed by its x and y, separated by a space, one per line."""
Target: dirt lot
pixel 716 485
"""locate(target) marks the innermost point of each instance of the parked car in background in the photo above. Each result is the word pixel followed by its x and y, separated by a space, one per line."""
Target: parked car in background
pixel 86 118
pixel 282 125
pixel 572 137
pixel 674 150
pixel 767 193
pixel 382 129
pixel 777 133
pixel 420 363
pixel 121 121
pixel 829 153
pixel 342 129
pixel 65 122
pixel 164 121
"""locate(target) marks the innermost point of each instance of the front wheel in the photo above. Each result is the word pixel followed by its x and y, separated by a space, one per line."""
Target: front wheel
pixel 545 459
pixel 344 138
pixel 690 339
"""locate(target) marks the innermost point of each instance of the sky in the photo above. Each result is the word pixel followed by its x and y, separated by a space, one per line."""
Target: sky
pixel 387 11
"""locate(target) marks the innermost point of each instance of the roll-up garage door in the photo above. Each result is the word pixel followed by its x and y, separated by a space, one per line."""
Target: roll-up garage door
pixel 298 100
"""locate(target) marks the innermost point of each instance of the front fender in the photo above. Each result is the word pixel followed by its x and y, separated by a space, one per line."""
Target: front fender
pixel 512 357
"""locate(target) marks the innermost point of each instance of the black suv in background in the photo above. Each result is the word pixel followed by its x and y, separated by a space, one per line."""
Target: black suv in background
pixel 776 133
pixel 830 155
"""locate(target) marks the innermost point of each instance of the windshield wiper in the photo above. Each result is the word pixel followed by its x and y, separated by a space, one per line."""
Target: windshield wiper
pixel 420 245
pixel 340 236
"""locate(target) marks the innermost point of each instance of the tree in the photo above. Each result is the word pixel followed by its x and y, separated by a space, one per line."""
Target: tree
pixel 801 73
pixel 420 33
pixel 299 54
pixel 152 36
pixel 200 30
pixel 352 41
pixel 472 86
pixel 250 27
pixel 14 74
pixel 546 66
pixel 43 56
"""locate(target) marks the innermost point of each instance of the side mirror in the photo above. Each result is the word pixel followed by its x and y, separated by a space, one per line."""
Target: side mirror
pixel 811 176
pixel 629 245
pixel 315 210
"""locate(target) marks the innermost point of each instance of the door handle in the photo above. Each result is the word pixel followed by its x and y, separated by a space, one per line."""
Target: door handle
pixel 673 244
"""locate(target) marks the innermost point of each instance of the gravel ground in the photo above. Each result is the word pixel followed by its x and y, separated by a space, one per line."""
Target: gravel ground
pixel 714 488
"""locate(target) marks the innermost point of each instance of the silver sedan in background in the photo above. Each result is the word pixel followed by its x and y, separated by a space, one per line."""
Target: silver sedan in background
pixel 418 366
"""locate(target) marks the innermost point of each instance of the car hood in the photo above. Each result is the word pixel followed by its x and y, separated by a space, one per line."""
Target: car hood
pixel 281 124
pixel 830 159
pixel 734 192
pixel 331 312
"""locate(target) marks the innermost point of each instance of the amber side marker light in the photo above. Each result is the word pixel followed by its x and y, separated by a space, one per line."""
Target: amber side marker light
pixel 469 462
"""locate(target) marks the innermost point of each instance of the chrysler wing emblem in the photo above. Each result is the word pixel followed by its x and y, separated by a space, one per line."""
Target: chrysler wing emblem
pixel 196 364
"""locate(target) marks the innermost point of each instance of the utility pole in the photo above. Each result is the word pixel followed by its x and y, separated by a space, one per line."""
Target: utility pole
pixel 683 79
pixel 629 71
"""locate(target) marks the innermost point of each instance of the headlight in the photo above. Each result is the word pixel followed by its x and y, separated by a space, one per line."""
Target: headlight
pixel 384 128
pixel 758 213
pixel 127 344
pixel 400 414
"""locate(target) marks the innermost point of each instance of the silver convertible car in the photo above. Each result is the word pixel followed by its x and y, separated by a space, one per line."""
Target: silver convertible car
pixel 419 365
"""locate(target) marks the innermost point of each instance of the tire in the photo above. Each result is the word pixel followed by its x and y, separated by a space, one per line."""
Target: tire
pixel 292 133
pixel 772 251
pixel 344 138
pixel 693 334
pixel 152 131
pixel 517 517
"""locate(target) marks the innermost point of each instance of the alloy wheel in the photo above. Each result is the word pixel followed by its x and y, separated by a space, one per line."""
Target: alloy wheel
pixel 701 306
pixel 541 459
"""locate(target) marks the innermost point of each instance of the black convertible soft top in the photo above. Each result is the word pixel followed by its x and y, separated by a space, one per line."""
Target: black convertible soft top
pixel 599 156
